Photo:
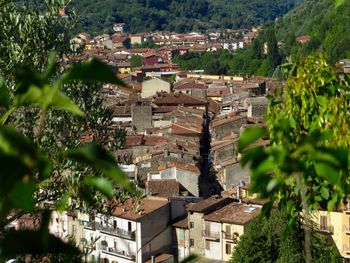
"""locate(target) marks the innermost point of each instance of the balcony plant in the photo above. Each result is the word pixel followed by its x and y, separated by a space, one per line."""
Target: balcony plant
pixel 104 244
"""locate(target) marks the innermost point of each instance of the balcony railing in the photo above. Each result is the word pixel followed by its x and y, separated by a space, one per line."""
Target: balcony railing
pixel 327 229
pixel 118 252
pixel 211 234
pixel 89 225
pixel 346 249
pixel 116 231
pixel 346 229
pixel 233 237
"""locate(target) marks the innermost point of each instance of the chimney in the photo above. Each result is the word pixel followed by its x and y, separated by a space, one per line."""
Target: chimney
pixel 239 197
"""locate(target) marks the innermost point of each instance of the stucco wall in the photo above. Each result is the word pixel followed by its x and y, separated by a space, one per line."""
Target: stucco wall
pixel 228 128
pixel 215 250
pixel 141 117
pixel 183 245
pixel 152 86
pixel 233 174
pixel 196 233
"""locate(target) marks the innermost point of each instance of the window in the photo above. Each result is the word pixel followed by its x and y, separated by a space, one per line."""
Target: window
pixel 228 249
pixel 191 224
pixel 114 224
pixel 228 230
pixel 323 223
pixel 74 230
pixel 191 242
pixel 129 226
pixel 207 227
pixel 207 244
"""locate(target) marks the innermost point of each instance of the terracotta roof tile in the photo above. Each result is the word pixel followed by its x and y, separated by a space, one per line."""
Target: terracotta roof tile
pixel 222 121
pixel 178 99
pixel 144 140
pixel 182 223
pixel 181 166
pixel 163 188
pixel 148 205
pixel 209 204
pixel 190 86
pixel 234 213
pixel 121 111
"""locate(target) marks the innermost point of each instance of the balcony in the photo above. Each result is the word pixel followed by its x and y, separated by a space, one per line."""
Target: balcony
pixel 116 231
pixel 211 234
pixel 88 224
pixel 119 253
pixel 346 229
pixel 233 237
pixel 326 229
pixel 346 250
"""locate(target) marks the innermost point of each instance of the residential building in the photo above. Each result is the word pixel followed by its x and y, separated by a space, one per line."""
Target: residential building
pixel 336 224
pixel 119 27
pixel 227 125
pixel 129 233
pixel 138 39
pixel 190 239
pixel 152 86
pixel 186 175
pixel 223 227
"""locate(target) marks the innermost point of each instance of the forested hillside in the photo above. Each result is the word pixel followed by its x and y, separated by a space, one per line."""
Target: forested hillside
pixel 177 15
pixel 327 25
pixel 322 20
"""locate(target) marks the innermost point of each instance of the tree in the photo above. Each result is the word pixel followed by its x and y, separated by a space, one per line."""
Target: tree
pixel 273 55
pixel 216 67
pixel 26 168
pixel 127 43
pixel 305 167
pixel 136 61
pixel 266 241
pixel 27 39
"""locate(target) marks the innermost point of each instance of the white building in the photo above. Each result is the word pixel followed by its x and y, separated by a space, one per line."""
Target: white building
pixel 130 233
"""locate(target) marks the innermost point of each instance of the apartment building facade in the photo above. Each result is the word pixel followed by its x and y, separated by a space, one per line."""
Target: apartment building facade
pixel 129 233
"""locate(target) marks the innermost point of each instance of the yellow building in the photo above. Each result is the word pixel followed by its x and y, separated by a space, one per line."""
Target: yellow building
pixel 223 228
pixel 337 224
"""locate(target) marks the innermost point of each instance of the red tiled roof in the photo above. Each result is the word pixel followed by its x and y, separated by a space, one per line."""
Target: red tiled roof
pixel 164 109
pixel 178 99
pixel 148 205
pixel 208 204
pixel 182 223
pixel 181 166
pixel 185 129
pixel 222 121
pixel 121 110
pixel 163 188
pixel 190 86
pixel 144 140
pixel 234 213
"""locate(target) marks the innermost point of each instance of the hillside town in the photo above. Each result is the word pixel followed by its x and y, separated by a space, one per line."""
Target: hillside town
pixel 182 130
pixel 180 149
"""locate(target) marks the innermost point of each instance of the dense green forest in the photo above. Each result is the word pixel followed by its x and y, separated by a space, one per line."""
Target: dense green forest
pixel 326 24
pixel 179 15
